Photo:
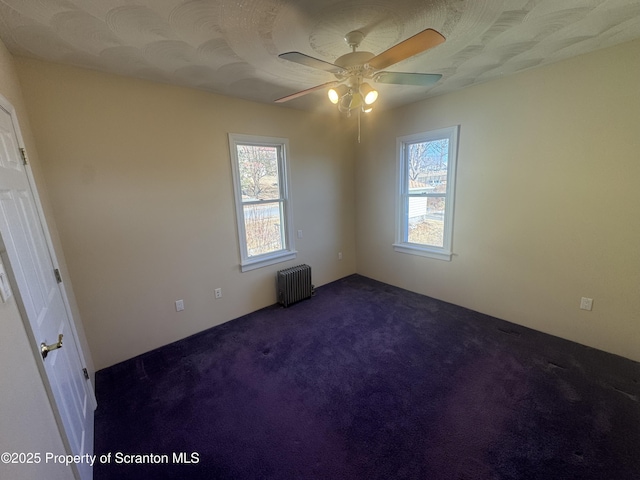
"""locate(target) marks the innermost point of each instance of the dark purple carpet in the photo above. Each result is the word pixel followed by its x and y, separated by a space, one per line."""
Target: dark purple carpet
pixel 369 381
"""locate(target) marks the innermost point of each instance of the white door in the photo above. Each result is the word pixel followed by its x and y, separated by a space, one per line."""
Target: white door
pixel 40 296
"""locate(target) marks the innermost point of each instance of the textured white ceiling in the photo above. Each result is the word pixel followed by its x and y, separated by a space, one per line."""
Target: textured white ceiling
pixel 231 47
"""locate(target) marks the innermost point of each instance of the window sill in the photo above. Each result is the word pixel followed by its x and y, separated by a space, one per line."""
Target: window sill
pixel 266 260
pixel 422 251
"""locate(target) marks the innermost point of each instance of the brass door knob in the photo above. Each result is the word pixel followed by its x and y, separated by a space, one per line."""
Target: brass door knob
pixel 45 349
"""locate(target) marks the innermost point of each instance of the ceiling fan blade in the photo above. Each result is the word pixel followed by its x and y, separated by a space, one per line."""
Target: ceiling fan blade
pixel 420 42
pixel 399 78
pixel 304 92
pixel 308 61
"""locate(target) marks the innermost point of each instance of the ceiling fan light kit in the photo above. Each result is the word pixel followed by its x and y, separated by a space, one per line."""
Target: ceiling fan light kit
pixel 368 93
pixel 349 98
pixel 336 93
pixel 350 91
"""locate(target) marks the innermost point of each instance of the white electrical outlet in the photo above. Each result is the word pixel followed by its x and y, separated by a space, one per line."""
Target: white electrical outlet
pixel 218 292
pixel 179 305
pixel 299 233
pixel 339 255
pixel 586 303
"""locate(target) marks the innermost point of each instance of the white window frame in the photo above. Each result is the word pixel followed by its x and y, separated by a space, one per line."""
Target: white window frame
pixel 402 244
pixel 248 263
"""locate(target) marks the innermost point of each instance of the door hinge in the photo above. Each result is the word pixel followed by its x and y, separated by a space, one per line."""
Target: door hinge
pixel 56 272
pixel 86 374
pixel 23 152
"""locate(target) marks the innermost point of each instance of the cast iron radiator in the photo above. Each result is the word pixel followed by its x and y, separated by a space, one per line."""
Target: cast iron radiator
pixel 294 284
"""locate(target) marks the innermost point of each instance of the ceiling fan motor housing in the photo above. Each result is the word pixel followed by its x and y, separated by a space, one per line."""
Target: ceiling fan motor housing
pixel 353 59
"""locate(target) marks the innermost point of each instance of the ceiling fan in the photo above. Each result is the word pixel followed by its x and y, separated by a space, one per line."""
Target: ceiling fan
pixel 350 91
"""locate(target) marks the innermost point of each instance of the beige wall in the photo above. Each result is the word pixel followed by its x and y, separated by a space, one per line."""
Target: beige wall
pixel 547 199
pixel 27 423
pixel 140 179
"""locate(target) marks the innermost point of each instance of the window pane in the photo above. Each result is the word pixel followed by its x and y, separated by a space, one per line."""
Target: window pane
pixel 263 227
pixel 426 221
pixel 427 166
pixel 258 167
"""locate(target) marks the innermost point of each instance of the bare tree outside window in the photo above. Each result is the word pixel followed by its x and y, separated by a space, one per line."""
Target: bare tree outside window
pixel 263 207
pixel 426 193
pixel 261 198
pixel 425 158
pixel 263 229
pixel 427 172
pixel 257 164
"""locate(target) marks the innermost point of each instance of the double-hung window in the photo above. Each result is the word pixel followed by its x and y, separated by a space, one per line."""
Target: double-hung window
pixel 426 173
pixel 263 206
